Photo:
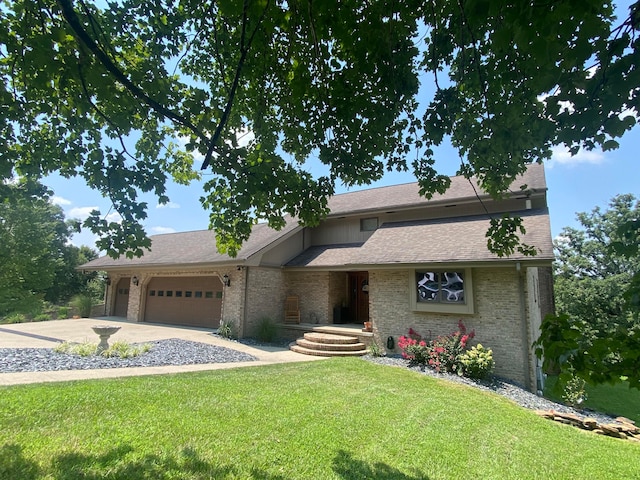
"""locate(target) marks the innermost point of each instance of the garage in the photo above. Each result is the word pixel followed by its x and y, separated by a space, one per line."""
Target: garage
pixel 192 301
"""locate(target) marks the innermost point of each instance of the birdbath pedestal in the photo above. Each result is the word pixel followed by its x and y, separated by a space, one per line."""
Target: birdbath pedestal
pixel 104 331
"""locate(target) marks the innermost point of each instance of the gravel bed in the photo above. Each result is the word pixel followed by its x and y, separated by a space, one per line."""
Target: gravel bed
pixel 173 351
pixel 498 385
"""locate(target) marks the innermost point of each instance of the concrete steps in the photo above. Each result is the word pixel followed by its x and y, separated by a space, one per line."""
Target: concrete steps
pixel 328 345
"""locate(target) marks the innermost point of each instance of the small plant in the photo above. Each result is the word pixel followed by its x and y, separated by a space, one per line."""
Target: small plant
pixel 574 394
pixel 83 304
pixel 445 351
pixel 266 331
pixel 63 312
pixel 375 350
pixel 123 349
pixel 477 362
pixel 15 318
pixel 84 349
pixel 225 330
pixel 43 317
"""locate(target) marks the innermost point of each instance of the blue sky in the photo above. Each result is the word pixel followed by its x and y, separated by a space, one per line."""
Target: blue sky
pixel 576 184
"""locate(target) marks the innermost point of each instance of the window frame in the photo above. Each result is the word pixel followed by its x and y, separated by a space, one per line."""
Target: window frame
pixel 466 308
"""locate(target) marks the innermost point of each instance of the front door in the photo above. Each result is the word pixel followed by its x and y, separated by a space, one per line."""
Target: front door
pixel 359 296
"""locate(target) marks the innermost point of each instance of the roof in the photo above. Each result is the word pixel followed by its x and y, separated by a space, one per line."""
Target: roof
pixel 453 240
pixel 392 243
pixel 398 197
pixel 194 248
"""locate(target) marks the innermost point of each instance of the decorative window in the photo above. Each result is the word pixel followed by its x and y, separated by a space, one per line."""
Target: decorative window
pixel 161 293
pixel 169 293
pixel 208 294
pixel 178 293
pixel 198 294
pixel 446 291
pixel 187 294
pixel 218 295
pixel 152 293
pixel 368 224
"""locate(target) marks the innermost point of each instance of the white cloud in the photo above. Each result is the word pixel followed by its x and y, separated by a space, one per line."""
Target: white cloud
pixel 168 205
pixel 562 156
pixel 81 212
pixel 56 200
pixel 160 230
pixel 113 217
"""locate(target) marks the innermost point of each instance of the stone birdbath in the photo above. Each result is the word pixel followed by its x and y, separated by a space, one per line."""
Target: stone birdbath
pixel 104 331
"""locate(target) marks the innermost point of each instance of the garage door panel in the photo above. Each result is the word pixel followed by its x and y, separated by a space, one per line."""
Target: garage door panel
pixel 193 301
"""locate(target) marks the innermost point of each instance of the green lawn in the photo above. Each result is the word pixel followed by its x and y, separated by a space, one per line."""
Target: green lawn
pixel 617 400
pixel 334 419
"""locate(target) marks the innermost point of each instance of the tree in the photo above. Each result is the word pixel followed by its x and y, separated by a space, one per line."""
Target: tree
pixel 597 332
pixel 36 261
pixel 259 87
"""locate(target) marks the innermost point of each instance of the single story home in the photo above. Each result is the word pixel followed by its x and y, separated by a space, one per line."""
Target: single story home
pixel 384 255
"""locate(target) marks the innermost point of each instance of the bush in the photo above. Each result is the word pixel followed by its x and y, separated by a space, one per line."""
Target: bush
pixel 63 312
pixel 225 330
pixel 43 317
pixel 83 304
pixel 267 330
pixel 477 362
pixel 85 349
pixel 574 393
pixel 15 318
pixel 122 349
pixel 375 350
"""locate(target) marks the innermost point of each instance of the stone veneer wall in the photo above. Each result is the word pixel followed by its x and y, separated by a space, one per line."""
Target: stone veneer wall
pixel 265 297
pixel 497 320
pixel 313 290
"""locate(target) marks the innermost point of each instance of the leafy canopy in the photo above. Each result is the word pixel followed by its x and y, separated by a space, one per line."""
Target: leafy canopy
pixel 260 87
pixel 597 332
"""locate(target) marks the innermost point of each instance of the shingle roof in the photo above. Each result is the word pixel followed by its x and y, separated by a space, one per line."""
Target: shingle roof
pixel 450 240
pixel 192 248
pixel 199 247
pixel 407 195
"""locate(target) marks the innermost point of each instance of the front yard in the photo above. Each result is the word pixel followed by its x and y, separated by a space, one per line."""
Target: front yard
pixel 335 419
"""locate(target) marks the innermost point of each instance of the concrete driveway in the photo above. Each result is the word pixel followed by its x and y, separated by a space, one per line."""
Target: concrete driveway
pixel 48 334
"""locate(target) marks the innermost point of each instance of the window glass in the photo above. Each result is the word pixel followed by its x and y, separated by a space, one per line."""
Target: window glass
pixel 161 293
pixel 218 294
pixel 440 287
pixel 208 294
pixel 187 294
pixel 178 293
pixel 198 294
pixel 369 224
pixel 152 293
pixel 169 293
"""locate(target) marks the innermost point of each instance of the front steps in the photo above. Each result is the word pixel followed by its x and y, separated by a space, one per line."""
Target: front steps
pixel 329 345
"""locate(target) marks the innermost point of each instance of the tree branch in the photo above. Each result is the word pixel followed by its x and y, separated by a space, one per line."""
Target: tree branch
pixel 72 19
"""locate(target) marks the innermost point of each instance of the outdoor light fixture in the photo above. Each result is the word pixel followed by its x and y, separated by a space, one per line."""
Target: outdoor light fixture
pixel 226 281
pixel 135 280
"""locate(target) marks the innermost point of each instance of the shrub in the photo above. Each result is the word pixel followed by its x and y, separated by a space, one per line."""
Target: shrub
pixel 63 312
pixel 83 304
pixel 477 362
pixel 375 350
pixel 574 393
pixel 266 331
pixel 225 330
pixel 43 317
pixel 445 351
pixel 413 348
pixel 123 349
pixel 15 318
pixel 85 349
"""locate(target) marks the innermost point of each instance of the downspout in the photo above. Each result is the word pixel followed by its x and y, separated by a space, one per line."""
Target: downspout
pixel 243 320
pixel 524 329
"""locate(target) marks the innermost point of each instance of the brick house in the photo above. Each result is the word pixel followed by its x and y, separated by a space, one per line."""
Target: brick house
pixel 384 255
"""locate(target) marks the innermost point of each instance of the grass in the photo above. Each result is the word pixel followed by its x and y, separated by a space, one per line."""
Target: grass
pixel 616 400
pixel 118 348
pixel 334 419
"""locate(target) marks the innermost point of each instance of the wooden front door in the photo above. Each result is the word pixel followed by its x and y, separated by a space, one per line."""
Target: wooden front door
pixel 359 296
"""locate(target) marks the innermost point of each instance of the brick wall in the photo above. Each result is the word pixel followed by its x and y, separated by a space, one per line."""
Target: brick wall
pixel 313 290
pixel 265 297
pixel 497 320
